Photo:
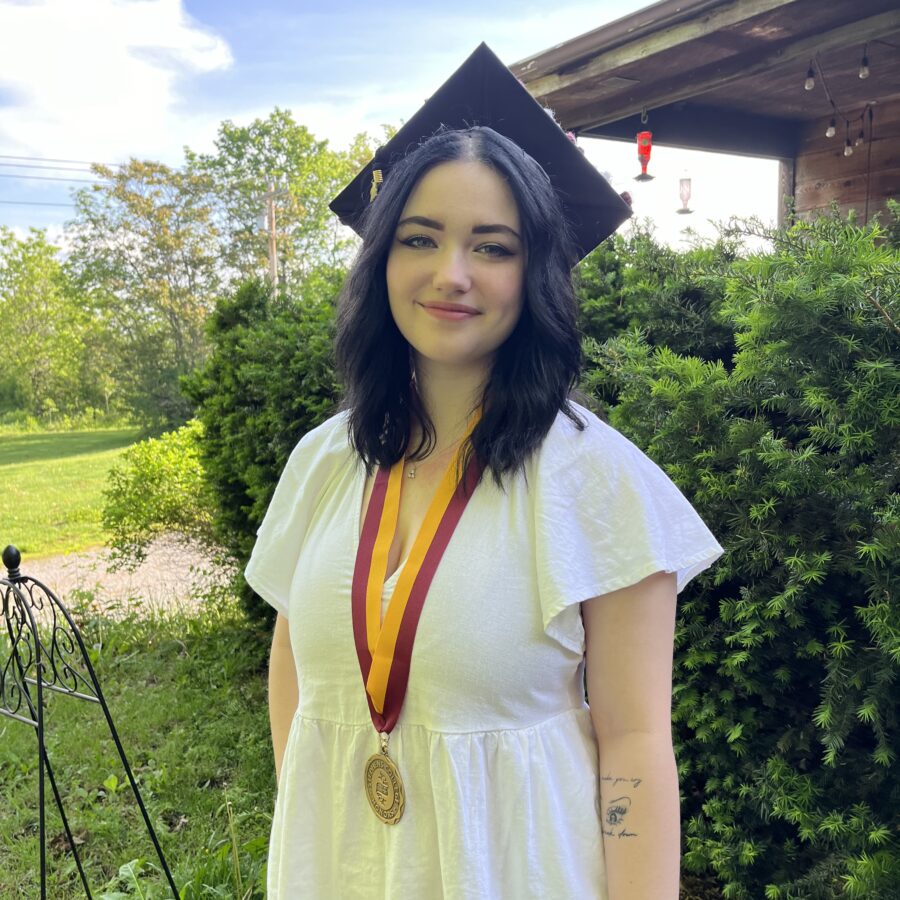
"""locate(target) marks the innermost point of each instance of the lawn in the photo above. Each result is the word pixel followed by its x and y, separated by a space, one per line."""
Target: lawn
pixel 187 693
pixel 52 485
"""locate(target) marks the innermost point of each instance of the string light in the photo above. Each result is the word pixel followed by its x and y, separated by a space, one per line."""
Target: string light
pixel 810 82
pixel 864 65
pixel 831 130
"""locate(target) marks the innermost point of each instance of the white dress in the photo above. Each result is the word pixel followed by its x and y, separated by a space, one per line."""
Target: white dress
pixel 495 743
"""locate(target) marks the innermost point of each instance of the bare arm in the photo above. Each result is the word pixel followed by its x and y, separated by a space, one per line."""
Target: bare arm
pixel 283 695
pixel 629 636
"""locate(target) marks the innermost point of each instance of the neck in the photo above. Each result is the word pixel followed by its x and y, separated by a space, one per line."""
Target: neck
pixel 449 396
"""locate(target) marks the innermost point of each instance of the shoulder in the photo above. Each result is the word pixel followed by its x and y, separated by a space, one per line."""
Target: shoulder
pixel 329 437
pixel 595 447
pixel 327 445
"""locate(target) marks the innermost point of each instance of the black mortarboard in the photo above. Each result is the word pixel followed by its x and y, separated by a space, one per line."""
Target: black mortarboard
pixel 482 91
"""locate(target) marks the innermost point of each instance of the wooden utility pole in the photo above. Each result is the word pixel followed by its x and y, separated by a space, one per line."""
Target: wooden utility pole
pixel 269 197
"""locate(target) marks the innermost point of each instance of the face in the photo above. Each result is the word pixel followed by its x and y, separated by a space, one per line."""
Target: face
pixel 456 268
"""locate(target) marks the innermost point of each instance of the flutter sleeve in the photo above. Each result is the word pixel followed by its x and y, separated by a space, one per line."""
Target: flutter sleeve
pixel 309 468
pixel 607 516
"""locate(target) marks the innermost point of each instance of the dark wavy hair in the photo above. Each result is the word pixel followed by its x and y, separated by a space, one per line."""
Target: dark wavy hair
pixel 534 370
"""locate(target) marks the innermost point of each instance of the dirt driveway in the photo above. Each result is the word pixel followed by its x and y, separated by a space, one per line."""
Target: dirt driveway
pixel 174 572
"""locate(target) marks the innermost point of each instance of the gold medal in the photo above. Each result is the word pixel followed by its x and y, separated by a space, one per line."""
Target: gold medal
pixel 384 787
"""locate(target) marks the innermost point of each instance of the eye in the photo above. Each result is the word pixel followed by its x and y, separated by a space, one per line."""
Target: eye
pixel 417 241
pixel 614 814
pixel 497 250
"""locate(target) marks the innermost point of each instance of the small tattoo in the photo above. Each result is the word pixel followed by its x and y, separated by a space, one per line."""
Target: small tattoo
pixel 634 782
pixel 616 810
pixel 623 833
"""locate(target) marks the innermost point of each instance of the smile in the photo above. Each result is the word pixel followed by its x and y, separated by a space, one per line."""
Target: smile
pixel 450 312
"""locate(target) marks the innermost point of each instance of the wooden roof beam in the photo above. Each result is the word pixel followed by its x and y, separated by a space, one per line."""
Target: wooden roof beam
pixel 692 83
pixel 724 16
pixel 709 128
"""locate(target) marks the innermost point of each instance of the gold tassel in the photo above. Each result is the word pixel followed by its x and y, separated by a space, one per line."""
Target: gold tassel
pixel 377 178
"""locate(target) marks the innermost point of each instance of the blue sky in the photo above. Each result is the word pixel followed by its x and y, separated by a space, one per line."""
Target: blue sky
pixel 103 80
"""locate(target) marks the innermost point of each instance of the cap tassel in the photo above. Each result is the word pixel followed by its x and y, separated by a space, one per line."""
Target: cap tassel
pixel 377 179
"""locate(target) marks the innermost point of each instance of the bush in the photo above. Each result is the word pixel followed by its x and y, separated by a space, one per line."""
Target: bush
pixel 269 379
pixel 158 486
pixel 785 705
pixel 674 297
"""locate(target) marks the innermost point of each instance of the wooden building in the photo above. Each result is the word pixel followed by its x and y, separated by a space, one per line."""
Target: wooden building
pixel 812 83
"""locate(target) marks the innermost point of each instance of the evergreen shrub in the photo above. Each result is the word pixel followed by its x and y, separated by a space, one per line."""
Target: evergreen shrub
pixel 787 650
pixel 268 380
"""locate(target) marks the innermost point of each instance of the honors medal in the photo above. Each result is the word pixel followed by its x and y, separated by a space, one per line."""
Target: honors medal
pixel 384 787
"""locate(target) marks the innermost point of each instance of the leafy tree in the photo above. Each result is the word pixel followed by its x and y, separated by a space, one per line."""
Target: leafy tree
pixel 307 175
pixel 144 249
pixel 47 366
pixel 785 703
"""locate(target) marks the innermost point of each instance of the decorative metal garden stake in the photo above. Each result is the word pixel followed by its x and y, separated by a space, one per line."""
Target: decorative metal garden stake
pixel 46 652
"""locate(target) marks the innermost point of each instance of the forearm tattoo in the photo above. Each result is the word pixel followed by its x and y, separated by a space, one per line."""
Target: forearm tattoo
pixel 616 810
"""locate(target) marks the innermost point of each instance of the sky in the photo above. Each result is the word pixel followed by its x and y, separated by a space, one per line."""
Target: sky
pixel 104 80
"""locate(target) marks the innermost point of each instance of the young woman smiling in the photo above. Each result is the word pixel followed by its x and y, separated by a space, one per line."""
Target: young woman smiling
pixel 444 749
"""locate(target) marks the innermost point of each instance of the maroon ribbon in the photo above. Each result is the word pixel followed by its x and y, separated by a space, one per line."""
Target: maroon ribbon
pixel 399 676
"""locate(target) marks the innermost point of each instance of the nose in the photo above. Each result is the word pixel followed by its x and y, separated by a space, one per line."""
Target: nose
pixel 451 273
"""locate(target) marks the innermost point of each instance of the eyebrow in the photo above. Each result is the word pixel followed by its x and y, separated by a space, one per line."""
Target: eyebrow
pixel 478 229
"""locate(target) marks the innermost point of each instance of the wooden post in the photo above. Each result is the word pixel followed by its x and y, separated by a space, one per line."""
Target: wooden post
pixel 786 172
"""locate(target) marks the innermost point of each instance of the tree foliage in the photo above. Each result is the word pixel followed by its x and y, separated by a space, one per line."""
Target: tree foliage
pixel 144 251
pixel 52 362
pixel 306 175
pixel 785 703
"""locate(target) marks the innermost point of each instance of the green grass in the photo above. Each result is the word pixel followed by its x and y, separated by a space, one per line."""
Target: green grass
pixel 187 694
pixel 52 484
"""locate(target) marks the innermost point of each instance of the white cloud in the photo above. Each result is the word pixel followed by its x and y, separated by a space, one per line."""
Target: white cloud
pixel 98 79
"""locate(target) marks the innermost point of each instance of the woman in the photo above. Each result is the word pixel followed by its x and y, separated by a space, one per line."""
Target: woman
pixel 465 763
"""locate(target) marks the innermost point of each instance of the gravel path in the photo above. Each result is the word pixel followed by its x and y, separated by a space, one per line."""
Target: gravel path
pixel 173 574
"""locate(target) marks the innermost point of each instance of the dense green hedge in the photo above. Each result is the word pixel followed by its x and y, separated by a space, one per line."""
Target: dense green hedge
pixel 785 704
pixel 767 386
pixel 269 380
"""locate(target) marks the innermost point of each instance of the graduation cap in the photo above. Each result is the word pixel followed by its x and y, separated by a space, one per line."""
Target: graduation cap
pixel 482 91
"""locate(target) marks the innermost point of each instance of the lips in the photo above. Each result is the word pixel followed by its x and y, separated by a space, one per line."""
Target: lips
pixel 450 311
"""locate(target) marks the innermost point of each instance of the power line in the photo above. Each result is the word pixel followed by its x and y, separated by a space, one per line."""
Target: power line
pixel 48 178
pixel 80 162
pixel 7 165
pixel 34 203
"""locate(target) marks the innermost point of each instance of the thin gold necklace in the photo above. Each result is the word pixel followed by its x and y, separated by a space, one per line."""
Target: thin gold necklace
pixel 414 465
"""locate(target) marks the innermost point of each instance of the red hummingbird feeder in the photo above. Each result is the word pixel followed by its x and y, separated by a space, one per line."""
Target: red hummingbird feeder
pixel 645 145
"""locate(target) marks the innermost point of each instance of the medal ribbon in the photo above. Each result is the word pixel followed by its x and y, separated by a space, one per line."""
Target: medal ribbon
pixel 385 649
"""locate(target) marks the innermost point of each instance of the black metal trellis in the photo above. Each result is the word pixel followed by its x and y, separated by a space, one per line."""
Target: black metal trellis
pixel 52 657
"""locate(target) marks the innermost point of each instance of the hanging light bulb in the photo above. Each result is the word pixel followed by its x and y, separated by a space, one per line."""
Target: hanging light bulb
pixel 848 148
pixel 864 67
pixel 810 82
pixel 860 138
pixel 832 128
